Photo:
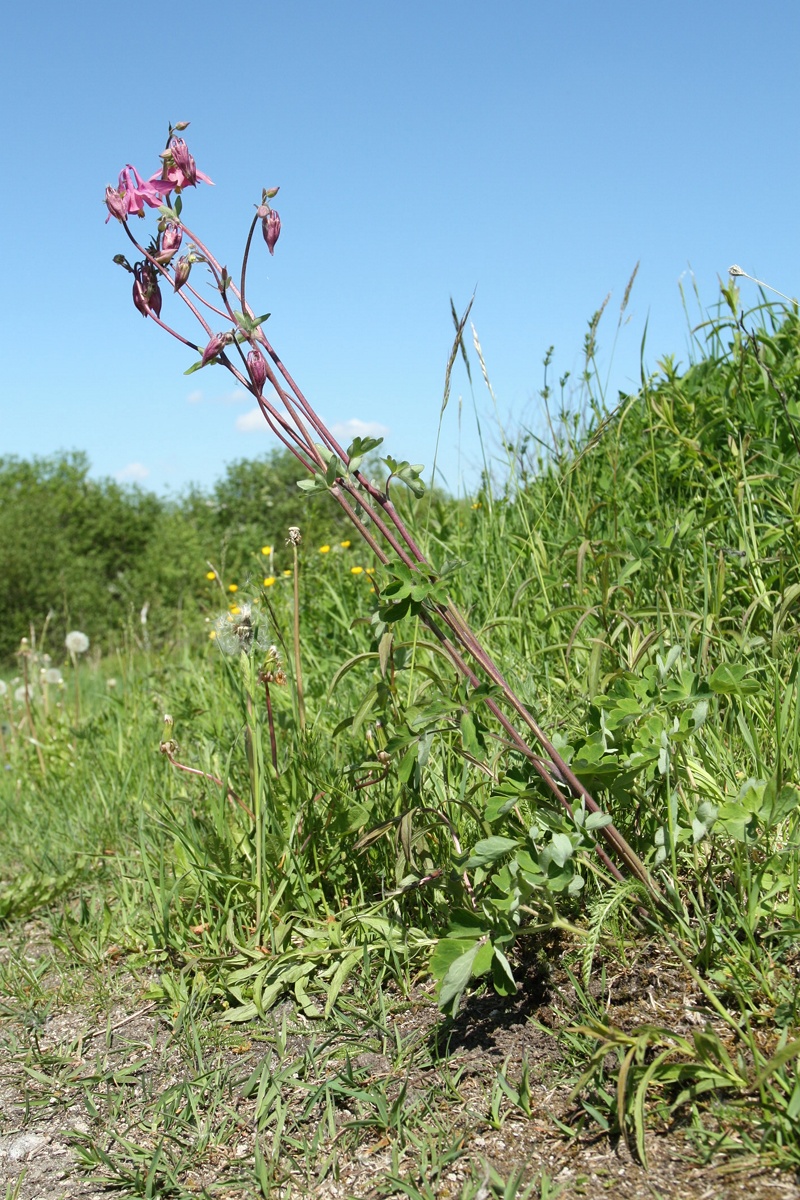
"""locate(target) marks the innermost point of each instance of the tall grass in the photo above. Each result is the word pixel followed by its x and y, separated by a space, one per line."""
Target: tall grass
pixel 638 580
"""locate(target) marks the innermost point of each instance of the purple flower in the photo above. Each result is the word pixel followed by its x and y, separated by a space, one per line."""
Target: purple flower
pixel 271 228
pixel 257 366
pixel 146 292
pixel 180 168
pixel 136 192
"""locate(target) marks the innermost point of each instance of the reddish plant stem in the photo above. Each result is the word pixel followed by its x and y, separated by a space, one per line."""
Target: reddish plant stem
pixel 356 489
pixel 230 793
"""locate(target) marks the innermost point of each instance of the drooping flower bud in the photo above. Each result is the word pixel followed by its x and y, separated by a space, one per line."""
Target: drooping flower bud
pixel 182 270
pixel 217 343
pixel 116 204
pixel 171 239
pixel 257 366
pixel 146 292
pixel 271 228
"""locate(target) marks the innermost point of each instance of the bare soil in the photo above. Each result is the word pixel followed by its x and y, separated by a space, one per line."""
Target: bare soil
pixel 76 1074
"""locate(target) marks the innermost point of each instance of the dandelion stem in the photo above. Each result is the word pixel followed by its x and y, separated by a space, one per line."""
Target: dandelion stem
pixel 273 746
pixel 31 726
pixel 298 670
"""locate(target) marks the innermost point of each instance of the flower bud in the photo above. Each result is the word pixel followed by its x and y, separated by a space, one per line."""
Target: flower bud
pixel 146 292
pixel 271 228
pixel 217 343
pixel 116 204
pixel 257 366
pixel 183 268
pixel 171 239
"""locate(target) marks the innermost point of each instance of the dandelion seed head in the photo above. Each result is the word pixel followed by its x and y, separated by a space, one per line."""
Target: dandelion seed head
pixel 240 632
pixel 76 642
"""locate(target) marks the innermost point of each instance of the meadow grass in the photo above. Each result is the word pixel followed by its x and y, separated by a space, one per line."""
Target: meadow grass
pixel 287 871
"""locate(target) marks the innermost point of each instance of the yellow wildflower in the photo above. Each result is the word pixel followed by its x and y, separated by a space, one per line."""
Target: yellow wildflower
pixel 370 570
pixel 268 582
pixel 266 550
pixel 345 545
pixel 211 574
pixel 286 574
pixel 233 587
pixel 324 549
pixel 234 608
pixel 356 570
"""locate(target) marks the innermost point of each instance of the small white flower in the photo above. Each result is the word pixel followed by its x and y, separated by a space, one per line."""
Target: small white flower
pixel 53 675
pixel 76 642
pixel 22 693
pixel 3 688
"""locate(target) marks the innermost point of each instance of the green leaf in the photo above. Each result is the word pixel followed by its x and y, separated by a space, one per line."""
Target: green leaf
pixel 502 976
pixel 729 680
pixel 489 850
pixel 561 849
pixel 456 978
pixel 466 924
pixel 597 820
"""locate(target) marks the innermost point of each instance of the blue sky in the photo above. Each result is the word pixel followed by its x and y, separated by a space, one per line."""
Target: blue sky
pixel 530 152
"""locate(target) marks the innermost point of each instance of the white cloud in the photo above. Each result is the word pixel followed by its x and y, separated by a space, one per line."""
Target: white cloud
pixel 135 472
pixel 252 422
pixel 345 431
pixel 194 397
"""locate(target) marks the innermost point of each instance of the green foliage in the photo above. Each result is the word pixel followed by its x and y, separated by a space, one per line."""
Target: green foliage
pixel 638 580
pixel 93 554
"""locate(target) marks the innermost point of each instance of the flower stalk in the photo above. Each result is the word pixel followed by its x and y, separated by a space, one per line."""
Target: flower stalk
pixel 296 424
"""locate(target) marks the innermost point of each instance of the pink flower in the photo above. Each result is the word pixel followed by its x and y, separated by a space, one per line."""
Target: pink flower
pixel 135 192
pixel 180 168
pixel 271 228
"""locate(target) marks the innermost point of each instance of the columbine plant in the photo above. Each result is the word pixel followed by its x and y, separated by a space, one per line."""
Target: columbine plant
pixel 230 334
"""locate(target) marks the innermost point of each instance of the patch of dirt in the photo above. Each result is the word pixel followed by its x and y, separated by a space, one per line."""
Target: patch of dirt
pixel 78 1075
